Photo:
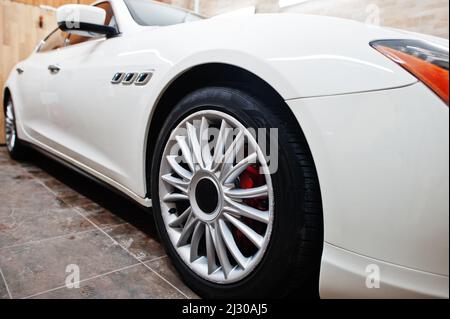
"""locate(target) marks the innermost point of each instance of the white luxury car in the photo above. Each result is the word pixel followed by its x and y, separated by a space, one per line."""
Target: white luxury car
pixel 281 153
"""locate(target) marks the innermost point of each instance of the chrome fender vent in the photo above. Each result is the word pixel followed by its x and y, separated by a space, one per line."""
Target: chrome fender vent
pixel 129 78
pixel 143 78
pixel 117 78
pixel 132 77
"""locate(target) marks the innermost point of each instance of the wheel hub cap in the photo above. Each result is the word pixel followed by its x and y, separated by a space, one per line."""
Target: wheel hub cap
pixel 216 196
pixel 206 196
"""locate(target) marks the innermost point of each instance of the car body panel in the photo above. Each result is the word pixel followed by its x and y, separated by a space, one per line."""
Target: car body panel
pixel 346 275
pixel 382 160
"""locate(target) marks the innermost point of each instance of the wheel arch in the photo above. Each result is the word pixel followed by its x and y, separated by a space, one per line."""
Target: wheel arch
pixel 6 97
pixel 197 77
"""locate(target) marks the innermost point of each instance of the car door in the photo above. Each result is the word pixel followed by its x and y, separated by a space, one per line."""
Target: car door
pixel 38 94
pixel 97 116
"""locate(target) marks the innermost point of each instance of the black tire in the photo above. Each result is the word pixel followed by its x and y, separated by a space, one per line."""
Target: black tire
pixel 18 151
pixel 291 263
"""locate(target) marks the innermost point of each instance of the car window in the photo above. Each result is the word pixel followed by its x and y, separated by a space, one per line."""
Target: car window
pixel 149 13
pixel 59 39
pixel 54 40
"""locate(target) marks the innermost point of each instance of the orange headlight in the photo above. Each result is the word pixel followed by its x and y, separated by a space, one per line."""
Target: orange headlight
pixel 429 63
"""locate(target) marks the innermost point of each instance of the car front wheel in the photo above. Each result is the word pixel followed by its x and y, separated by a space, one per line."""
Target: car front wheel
pixel 236 197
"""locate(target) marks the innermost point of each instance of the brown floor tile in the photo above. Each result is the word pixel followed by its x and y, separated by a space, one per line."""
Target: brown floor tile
pixel 61 190
pixel 8 172
pixel 37 173
pixel 33 268
pixel 5 211
pixel 136 282
pixel 5 159
pixel 99 215
pixel 41 232
pixel 25 193
pixel 75 200
pixel 138 243
pixel 3 291
pixel 10 168
pixel 164 267
pixel 22 225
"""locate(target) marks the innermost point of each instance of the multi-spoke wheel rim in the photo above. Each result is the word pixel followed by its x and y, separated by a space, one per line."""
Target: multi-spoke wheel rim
pixel 10 130
pixel 216 196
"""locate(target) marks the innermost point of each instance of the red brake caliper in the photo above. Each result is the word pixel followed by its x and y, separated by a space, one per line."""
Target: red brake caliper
pixel 251 178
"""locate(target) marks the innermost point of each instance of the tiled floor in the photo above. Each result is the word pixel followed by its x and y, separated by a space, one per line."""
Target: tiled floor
pixel 52 218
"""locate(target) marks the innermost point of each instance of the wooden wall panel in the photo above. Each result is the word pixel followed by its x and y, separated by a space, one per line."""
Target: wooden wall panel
pixel 53 3
pixel 19 35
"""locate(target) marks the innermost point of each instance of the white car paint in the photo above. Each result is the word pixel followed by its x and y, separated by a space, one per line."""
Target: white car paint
pixel 382 159
pixel 385 189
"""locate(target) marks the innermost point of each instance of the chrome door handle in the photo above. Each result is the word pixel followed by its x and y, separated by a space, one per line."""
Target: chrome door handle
pixel 54 68
pixel 19 70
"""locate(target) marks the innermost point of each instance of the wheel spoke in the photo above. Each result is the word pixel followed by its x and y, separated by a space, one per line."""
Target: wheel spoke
pixel 219 149
pixel 197 235
pixel 180 220
pixel 231 244
pixel 231 153
pixel 9 112
pixel 204 145
pixel 10 134
pixel 176 182
pixel 246 211
pixel 195 145
pixel 237 170
pixel 187 231
pixel 210 250
pixel 182 172
pixel 175 197
pixel 187 154
pixel 254 237
pixel 241 193
pixel 221 251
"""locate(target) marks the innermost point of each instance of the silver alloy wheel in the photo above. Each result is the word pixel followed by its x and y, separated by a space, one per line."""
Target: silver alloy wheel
pixel 10 127
pixel 206 213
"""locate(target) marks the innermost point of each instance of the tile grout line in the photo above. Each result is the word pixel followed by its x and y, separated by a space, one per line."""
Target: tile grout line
pixel 115 241
pixel 6 284
pixel 81 281
pixel 93 277
pixel 143 263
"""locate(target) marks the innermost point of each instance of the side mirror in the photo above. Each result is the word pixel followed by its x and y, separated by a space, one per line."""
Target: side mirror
pixel 83 20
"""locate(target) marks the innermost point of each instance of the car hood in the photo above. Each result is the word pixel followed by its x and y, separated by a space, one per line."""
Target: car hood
pixel 300 55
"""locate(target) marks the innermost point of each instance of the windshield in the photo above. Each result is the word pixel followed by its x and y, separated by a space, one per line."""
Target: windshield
pixel 149 13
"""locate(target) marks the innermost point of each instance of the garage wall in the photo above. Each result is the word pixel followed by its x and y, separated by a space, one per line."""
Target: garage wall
pixel 53 3
pixel 424 16
pixel 213 7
